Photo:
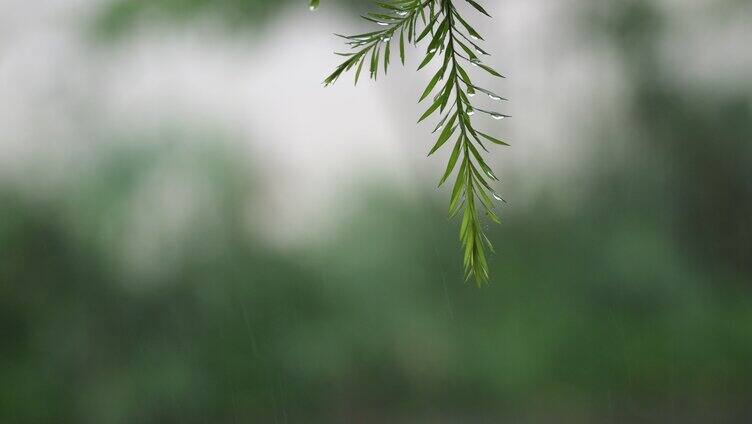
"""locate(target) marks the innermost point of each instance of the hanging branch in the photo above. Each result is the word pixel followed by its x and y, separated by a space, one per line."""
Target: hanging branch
pixel 454 43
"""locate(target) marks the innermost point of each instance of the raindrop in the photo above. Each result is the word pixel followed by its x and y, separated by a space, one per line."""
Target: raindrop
pixel 471 94
pixel 497 116
pixel 474 37
pixel 382 23
pixel 494 97
pixel 497 197
pixel 402 13
pixel 386 39
pixel 470 111
pixel 433 50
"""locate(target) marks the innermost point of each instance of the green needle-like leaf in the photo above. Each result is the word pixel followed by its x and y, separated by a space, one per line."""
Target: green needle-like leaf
pixel 452 40
pixel 448 131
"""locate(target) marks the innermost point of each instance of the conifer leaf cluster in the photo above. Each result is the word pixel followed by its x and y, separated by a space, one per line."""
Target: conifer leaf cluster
pixel 452 45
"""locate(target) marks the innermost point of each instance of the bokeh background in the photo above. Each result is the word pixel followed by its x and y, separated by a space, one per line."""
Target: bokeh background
pixel 194 230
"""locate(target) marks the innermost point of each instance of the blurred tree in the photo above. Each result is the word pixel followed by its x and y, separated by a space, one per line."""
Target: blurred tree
pixel 119 16
pixel 702 139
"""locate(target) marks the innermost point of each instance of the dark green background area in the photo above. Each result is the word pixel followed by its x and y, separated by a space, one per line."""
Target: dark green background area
pixel 595 315
pixel 632 304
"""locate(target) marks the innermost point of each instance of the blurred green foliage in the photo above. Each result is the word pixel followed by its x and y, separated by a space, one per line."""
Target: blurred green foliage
pixel 117 17
pixel 599 313
pixel 699 140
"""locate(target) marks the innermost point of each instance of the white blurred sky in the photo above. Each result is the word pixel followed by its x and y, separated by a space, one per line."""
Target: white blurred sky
pixel 62 96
